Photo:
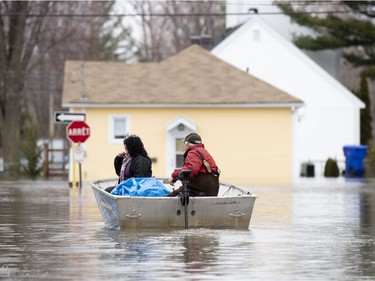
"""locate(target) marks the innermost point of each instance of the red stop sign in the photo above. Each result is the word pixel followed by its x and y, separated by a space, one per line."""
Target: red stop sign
pixel 78 131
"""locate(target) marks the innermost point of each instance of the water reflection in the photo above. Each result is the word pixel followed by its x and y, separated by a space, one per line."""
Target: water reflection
pixel 306 232
pixel 191 250
pixel 367 206
pixel 335 221
pixel 199 251
pixel 367 231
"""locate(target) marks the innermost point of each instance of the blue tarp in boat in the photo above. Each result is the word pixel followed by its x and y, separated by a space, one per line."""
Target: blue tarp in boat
pixel 146 187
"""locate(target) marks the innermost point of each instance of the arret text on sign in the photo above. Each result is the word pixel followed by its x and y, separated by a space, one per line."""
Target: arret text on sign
pixel 78 131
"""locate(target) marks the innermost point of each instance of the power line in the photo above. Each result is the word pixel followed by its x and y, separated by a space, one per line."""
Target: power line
pixel 238 2
pixel 169 15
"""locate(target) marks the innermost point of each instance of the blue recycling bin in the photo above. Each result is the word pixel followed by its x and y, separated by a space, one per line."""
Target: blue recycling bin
pixel 354 156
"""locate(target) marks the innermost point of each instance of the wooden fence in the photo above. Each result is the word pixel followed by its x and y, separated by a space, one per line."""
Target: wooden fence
pixel 55 162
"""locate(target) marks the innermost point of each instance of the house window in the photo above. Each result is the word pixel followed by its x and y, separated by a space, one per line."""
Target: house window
pixel 119 127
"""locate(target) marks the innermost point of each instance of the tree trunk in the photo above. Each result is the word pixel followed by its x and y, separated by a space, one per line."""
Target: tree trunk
pixel 11 129
pixel 12 86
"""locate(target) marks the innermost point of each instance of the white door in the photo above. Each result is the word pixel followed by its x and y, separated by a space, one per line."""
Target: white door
pixel 176 133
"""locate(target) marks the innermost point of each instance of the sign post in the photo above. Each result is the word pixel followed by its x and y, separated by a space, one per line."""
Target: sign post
pixel 78 132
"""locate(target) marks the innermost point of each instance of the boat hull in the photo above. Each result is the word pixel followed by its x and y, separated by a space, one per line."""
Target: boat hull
pixel 231 209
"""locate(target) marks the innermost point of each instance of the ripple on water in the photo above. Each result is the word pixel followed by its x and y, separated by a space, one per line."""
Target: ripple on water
pixel 307 232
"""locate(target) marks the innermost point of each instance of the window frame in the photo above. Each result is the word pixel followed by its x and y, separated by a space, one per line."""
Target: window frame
pixel 111 126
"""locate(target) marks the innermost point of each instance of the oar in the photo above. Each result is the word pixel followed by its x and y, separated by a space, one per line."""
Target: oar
pixel 183 177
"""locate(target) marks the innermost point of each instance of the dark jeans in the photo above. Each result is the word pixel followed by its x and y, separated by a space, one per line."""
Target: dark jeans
pixel 200 185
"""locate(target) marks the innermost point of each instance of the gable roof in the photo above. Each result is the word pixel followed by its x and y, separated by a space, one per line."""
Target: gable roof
pixel 192 77
pixel 241 31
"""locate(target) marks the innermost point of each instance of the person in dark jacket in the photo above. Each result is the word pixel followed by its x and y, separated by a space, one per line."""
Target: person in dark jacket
pixel 133 162
pixel 204 177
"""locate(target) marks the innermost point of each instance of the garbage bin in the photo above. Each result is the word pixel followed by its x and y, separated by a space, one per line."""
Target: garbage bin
pixel 307 170
pixel 354 156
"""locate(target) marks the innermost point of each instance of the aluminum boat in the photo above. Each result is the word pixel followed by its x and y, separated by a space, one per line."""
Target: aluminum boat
pixel 231 209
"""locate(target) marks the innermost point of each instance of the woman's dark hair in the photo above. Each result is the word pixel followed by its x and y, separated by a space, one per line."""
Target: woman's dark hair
pixel 135 146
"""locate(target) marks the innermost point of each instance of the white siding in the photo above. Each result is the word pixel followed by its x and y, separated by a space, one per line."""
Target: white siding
pixel 330 118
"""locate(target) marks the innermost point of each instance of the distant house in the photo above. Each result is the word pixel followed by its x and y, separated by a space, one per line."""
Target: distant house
pixel 240 12
pixel 330 118
pixel 245 123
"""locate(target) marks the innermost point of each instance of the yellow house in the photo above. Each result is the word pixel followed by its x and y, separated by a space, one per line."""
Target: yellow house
pixel 244 122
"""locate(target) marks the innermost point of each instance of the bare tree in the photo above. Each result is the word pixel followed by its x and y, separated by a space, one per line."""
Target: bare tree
pixel 36 37
pixel 16 50
pixel 168 26
pixel 73 37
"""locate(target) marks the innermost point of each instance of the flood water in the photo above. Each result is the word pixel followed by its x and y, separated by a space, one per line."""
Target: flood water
pixel 311 231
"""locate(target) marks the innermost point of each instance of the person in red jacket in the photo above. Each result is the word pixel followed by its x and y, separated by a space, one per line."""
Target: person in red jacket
pixel 204 177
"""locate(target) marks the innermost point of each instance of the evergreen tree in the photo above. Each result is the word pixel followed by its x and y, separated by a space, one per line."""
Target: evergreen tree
pixel 366 128
pixel 350 27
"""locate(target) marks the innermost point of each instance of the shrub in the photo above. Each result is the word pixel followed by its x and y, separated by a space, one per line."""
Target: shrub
pixel 331 169
pixel 31 151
